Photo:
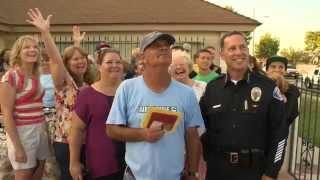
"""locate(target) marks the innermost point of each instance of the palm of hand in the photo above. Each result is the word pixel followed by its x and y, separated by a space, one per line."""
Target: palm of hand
pixel 37 20
pixel 77 36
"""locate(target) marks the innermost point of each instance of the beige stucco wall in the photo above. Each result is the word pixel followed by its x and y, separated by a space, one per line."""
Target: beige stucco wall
pixel 2 43
pixel 206 29
pixel 7 39
pixel 210 33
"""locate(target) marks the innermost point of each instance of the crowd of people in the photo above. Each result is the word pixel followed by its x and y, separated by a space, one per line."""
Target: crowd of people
pixel 78 116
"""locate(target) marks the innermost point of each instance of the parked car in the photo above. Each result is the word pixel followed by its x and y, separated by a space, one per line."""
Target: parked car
pixel 292 71
pixel 313 80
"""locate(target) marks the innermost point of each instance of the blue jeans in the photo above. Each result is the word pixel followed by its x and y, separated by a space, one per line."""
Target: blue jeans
pixel 61 151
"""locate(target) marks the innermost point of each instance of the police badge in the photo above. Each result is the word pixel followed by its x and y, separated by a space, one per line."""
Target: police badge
pixel 256 94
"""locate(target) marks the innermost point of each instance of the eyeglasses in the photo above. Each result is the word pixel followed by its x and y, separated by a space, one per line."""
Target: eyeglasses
pixel 115 62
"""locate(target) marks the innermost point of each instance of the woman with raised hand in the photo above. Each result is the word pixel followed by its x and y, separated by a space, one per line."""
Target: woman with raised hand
pixel 69 74
pixel 103 158
pixel 21 103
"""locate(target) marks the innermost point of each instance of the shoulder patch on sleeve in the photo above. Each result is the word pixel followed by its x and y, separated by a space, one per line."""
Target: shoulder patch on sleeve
pixel 277 94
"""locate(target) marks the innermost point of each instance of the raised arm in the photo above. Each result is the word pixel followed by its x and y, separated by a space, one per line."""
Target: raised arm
pixel 77 37
pixel 58 70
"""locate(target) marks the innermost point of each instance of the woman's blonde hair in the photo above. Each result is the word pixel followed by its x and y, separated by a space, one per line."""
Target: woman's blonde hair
pixel 15 53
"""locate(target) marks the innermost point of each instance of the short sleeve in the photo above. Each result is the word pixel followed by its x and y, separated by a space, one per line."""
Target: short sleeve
pixel 81 106
pixel 9 77
pixel 193 117
pixel 118 112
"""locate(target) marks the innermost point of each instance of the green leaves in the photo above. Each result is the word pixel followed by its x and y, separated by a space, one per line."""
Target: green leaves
pixel 267 46
pixel 312 40
pixel 295 55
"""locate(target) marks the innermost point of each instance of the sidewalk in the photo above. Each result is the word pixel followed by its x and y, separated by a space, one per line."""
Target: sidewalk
pixel 285 176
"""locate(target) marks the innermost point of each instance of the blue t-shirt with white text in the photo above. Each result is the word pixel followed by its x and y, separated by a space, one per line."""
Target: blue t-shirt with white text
pixel 163 159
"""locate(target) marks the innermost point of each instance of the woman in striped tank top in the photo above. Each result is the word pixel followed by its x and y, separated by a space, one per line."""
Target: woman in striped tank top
pixel 69 74
pixel 21 103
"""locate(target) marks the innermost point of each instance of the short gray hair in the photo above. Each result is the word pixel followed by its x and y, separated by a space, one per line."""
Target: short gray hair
pixel 185 55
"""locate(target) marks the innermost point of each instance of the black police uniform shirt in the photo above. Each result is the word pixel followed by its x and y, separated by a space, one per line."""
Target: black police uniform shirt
pixel 291 106
pixel 245 115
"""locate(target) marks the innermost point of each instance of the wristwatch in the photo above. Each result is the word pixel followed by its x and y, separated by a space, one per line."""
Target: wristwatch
pixel 193 173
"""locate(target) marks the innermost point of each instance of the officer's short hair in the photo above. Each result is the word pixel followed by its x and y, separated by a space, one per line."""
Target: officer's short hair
pixel 228 34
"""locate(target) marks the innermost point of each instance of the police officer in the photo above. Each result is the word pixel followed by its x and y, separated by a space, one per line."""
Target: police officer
pixel 244 116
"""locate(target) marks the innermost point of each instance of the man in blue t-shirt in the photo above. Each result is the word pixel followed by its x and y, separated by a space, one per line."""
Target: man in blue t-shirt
pixel 152 153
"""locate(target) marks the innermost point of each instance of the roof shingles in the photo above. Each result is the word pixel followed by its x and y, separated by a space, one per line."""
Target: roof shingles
pixel 123 12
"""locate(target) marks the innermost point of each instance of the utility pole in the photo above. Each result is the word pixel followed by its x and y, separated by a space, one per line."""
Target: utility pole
pixel 253 46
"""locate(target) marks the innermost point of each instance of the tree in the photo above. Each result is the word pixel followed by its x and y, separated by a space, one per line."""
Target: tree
pixel 230 8
pixel 312 41
pixel 267 46
pixel 312 45
pixel 295 56
pixel 248 36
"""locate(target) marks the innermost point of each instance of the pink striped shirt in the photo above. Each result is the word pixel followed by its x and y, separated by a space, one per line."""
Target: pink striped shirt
pixel 29 93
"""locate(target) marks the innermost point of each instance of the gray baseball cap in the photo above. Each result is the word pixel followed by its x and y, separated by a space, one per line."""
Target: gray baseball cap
pixel 153 36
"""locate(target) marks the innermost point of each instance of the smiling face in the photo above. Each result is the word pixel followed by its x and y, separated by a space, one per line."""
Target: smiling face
pixel 235 53
pixel 29 52
pixel 204 61
pixel 78 63
pixel 277 67
pixel 180 67
pixel 75 59
pixel 25 51
pixel 111 66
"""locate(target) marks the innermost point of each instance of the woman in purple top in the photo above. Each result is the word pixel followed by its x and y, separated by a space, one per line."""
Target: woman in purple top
pixel 91 110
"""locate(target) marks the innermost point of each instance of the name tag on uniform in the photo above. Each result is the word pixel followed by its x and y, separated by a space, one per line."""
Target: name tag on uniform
pixel 216 106
pixel 245 104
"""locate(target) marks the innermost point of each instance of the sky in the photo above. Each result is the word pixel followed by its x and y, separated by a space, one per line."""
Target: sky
pixel 287 20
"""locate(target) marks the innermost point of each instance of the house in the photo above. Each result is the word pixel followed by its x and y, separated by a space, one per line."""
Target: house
pixel 124 22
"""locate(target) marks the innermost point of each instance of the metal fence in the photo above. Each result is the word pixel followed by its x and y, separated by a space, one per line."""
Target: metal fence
pixel 304 159
pixel 124 43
